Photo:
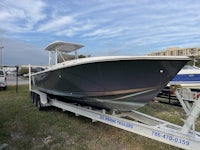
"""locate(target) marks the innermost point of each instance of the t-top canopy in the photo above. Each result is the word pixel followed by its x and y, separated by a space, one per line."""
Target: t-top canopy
pixel 63 46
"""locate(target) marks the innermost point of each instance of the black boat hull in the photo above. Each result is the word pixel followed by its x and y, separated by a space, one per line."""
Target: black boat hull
pixel 119 84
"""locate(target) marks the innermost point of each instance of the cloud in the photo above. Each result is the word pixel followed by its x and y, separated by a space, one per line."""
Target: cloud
pixel 75 29
pixel 57 23
pixel 21 16
pixel 100 32
pixel 128 27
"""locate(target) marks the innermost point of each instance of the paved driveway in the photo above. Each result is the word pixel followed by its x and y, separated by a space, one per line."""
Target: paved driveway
pixel 11 80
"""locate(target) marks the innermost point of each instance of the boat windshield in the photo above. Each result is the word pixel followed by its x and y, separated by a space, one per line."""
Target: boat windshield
pixel 190 67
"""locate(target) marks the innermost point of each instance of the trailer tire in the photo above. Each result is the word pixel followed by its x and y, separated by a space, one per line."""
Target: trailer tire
pixel 5 88
pixel 39 105
pixel 35 99
pixel 32 97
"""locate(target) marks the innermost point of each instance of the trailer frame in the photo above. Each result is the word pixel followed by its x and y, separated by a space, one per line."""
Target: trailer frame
pixel 139 123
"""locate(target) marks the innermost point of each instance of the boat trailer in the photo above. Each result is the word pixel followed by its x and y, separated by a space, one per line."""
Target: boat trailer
pixel 184 137
pixel 179 136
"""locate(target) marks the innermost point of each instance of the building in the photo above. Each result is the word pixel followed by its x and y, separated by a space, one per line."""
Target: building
pixel 177 51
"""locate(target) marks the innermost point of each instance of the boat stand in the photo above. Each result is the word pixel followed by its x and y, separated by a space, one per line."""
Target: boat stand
pixel 190 102
pixel 179 136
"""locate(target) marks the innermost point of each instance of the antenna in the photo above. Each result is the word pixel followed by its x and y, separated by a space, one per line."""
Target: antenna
pixel 1 57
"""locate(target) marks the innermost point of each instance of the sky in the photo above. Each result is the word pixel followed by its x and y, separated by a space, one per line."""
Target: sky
pixel 105 28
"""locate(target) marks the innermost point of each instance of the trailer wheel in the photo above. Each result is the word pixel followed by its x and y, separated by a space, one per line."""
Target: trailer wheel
pixel 39 105
pixel 5 88
pixel 32 97
pixel 35 99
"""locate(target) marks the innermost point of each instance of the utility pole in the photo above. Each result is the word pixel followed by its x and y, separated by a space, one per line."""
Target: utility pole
pixel 1 57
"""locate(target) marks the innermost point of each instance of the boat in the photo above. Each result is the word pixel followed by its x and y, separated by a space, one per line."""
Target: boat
pixel 109 82
pixel 188 76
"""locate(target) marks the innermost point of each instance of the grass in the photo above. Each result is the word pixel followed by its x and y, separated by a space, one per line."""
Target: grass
pixel 22 126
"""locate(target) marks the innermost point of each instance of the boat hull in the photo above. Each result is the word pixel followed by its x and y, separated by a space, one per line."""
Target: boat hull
pixel 124 84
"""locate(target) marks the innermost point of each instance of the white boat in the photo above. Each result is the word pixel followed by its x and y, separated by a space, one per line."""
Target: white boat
pixel 188 76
